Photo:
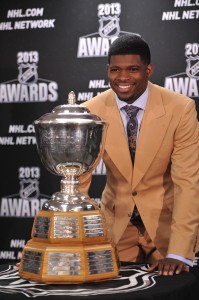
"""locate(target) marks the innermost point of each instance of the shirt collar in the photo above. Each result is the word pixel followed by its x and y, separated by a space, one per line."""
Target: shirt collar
pixel 140 102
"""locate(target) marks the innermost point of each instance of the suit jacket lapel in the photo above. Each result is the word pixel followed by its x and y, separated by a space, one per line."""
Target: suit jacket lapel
pixel 153 129
pixel 116 141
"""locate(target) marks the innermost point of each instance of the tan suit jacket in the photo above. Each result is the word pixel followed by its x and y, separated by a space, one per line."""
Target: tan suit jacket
pixel 164 183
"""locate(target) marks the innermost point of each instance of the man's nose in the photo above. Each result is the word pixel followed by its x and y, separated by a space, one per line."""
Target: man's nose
pixel 123 75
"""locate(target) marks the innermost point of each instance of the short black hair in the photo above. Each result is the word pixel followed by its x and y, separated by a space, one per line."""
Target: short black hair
pixel 130 44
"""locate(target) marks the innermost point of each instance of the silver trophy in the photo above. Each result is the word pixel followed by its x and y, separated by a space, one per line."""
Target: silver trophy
pixel 69 142
pixel 69 242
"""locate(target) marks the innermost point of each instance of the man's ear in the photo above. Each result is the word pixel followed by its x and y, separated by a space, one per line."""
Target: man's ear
pixel 107 68
pixel 149 70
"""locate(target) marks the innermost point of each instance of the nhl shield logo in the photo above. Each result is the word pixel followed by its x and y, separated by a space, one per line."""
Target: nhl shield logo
pixel 109 26
pixel 192 69
pixel 27 73
pixel 29 188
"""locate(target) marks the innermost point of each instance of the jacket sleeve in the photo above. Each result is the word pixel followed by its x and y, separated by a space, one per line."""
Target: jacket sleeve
pixel 185 176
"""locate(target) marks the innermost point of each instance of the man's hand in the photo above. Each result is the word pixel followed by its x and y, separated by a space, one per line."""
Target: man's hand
pixel 169 266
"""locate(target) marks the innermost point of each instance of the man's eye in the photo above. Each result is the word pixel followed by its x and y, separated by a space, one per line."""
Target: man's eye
pixel 114 70
pixel 134 69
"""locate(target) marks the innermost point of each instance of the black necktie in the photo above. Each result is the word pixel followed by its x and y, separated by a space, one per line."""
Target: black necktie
pixel 132 128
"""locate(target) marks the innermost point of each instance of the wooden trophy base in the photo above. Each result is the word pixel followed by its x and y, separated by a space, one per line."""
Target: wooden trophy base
pixel 69 247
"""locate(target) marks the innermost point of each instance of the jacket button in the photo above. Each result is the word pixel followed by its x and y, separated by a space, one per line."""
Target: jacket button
pixel 135 193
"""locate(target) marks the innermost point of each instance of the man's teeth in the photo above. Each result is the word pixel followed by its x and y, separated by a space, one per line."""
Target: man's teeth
pixel 124 86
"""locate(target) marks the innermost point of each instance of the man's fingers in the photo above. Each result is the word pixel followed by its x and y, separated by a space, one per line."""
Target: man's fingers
pixel 169 267
pixel 172 270
pixel 180 268
pixel 153 267
pixel 186 268
pixel 163 269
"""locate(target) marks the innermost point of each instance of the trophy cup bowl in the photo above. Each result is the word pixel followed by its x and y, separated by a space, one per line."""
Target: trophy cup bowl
pixel 69 241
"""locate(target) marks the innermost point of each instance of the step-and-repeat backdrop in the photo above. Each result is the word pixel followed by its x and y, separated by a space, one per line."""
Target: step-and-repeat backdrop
pixel 49 48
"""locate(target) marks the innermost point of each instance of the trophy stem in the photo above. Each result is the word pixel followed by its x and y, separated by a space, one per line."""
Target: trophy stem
pixel 69 185
pixel 69 198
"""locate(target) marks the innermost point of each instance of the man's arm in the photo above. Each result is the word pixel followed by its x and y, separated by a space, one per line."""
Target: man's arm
pixel 185 176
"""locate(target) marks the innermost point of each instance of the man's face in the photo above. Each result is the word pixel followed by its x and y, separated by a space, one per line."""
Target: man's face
pixel 128 76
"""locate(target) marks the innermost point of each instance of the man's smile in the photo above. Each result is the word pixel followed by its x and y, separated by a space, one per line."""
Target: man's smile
pixel 124 88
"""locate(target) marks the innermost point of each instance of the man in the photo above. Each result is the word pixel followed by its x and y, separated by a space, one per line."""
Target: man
pixel 160 181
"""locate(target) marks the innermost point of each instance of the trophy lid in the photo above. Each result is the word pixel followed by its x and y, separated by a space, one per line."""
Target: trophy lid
pixel 70 113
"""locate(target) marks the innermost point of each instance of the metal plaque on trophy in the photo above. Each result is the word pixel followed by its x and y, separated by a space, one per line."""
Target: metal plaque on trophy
pixel 69 241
